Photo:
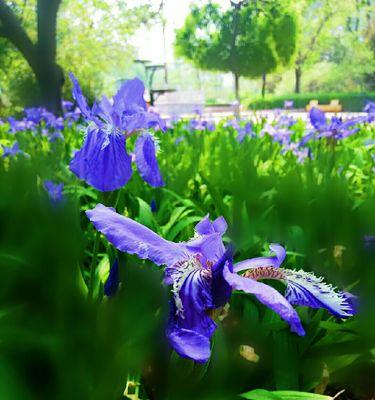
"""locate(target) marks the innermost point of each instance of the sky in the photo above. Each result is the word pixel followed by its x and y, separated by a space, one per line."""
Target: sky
pixel 149 42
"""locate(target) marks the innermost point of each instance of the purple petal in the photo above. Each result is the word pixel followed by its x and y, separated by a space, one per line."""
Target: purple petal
pixel 80 98
pixel 129 97
pixel 205 226
pixel 317 118
pixel 274 261
pixel 113 281
pixel 133 238
pixel 189 327
pixel 268 296
pixel 221 290
pixel 103 161
pixel 210 247
pixel 306 289
pixel 146 161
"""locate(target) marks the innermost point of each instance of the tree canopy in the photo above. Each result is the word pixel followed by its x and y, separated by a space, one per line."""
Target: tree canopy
pixel 245 40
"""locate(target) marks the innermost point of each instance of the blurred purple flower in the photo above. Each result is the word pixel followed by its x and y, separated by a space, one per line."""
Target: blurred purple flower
pixel 11 151
pixel 103 161
pixel 54 190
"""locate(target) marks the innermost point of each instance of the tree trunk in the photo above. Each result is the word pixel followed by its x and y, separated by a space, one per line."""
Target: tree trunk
pixel 50 75
pixel 41 56
pixel 264 82
pixel 298 75
pixel 237 86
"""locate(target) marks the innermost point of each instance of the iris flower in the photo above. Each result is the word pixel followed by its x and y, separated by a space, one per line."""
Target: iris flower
pixel 336 128
pixel 201 274
pixel 55 191
pixel 11 151
pixel 103 161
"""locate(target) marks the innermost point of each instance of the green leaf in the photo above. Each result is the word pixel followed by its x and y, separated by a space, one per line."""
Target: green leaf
pixel 260 394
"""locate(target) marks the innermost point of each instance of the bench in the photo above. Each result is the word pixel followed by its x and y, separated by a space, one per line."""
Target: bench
pixel 333 106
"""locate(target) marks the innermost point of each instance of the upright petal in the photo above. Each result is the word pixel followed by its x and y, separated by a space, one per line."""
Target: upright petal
pixel 133 238
pixel 145 158
pixel 317 118
pixel 274 261
pixel 130 97
pixel 268 296
pixel 305 289
pixel 80 98
pixel 205 226
pixel 103 161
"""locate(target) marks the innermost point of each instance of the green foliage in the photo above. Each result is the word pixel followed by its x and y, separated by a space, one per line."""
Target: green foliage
pixel 87 349
pixel 247 41
pixel 349 101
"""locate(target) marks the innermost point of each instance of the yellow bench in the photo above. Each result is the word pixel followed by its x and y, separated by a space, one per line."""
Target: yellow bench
pixel 333 106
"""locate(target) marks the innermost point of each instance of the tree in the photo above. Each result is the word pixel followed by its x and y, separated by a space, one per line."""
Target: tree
pixel 41 56
pixel 245 40
pixel 94 31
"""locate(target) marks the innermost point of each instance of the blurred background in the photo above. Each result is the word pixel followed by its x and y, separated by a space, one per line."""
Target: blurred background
pixel 298 51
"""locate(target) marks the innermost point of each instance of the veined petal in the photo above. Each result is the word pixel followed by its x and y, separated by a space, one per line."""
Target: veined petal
pixel 266 295
pixel 133 238
pixel 305 289
pixel 145 158
pixel 274 261
pixel 189 327
pixel 103 161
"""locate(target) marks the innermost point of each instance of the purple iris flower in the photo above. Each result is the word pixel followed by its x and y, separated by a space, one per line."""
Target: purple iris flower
pixel 20 125
pixel 55 191
pixel 11 151
pixel 302 288
pixel 193 269
pixel 244 131
pixel 336 128
pixel 103 161
pixel 288 104
pixel 202 277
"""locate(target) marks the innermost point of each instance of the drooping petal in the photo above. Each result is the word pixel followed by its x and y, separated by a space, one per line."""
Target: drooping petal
pixel 145 158
pixel 268 296
pixel 189 327
pixel 133 238
pixel 317 118
pixel 103 161
pixel 305 289
pixel 274 261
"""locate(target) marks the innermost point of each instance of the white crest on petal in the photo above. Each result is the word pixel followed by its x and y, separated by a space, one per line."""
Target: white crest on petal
pixel 304 288
pixel 181 271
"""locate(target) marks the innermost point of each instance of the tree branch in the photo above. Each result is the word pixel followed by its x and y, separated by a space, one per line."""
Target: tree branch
pixel 12 30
